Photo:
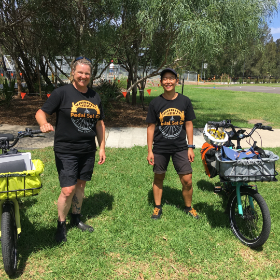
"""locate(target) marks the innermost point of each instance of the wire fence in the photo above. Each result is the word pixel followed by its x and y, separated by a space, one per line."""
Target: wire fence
pixel 114 71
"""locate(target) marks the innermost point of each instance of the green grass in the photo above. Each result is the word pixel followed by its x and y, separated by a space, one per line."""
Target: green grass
pixel 126 243
pixel 239 106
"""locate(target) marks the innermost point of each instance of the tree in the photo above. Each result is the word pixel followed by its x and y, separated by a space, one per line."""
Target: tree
pixel 193 31
pixel 143 34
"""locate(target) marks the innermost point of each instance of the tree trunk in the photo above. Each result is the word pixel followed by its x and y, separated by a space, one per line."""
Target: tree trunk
pixel 4 67
pixel 44 72
pixel 134 89
pixel 19 85
pixel 129 83
pixel 28 73
pixel 55 77
pixel 38 78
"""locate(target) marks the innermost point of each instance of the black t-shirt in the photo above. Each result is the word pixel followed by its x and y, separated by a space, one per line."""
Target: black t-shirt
pixel 76 117
pixel 170 117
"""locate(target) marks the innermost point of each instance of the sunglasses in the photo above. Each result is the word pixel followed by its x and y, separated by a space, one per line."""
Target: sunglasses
pixel 81 57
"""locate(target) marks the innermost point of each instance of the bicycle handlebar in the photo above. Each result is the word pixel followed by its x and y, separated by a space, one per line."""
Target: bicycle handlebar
pixel 266 127
pixel 9 137
pixel 220 124
pixel 5 138
pixel 238 135
pixel 227 123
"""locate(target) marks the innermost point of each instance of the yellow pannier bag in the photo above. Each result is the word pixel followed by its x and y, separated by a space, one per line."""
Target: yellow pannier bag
pixel 20 184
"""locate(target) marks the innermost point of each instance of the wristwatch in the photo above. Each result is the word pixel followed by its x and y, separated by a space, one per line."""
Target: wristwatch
pixel 191 146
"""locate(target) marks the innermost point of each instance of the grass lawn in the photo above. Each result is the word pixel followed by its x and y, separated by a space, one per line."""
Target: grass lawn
pixel 239 106
pixel 126 243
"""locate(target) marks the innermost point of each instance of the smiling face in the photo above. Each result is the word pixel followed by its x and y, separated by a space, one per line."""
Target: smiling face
pixel 168 82
pixel 81 77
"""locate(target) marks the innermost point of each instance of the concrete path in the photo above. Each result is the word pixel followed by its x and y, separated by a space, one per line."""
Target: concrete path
pixel 127 137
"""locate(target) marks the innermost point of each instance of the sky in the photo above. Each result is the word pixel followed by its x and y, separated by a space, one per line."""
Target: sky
pixel 274 24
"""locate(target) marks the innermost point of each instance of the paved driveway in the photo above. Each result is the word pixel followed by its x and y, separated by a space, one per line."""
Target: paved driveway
pixel 250 88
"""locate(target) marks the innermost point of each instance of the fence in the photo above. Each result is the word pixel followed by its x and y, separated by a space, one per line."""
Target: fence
pixel 114 71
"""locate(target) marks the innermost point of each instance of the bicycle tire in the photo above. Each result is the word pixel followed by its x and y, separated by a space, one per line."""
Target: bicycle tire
pixel 9 240
pixel 253 228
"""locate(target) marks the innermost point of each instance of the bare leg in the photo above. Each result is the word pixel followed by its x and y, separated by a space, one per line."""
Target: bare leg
pixel 187 190
pixel 78 197
pixel 157 187
pixel 77 202
pixel 64 202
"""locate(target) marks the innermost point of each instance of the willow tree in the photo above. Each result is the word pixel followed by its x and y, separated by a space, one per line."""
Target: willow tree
pixel 191 30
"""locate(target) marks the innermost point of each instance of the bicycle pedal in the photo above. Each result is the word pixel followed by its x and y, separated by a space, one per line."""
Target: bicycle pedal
pixel 217 189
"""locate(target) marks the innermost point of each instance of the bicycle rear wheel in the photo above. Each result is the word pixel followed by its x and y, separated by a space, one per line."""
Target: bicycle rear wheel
pixel 253 228
pixel 9 240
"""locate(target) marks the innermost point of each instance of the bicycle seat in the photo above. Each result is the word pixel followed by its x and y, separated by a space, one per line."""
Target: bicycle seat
pixel 9 137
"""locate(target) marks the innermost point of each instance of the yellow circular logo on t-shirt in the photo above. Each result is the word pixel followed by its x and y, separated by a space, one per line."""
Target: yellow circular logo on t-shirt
pixel 84 115
pixel 171 122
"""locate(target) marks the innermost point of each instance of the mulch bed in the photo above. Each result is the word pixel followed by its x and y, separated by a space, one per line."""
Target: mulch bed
pixel 22 112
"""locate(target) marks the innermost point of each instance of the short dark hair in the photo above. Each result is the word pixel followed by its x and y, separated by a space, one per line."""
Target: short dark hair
pixel 168 70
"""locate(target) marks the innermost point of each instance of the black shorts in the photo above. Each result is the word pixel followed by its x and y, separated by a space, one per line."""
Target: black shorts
pixel 71 167
pixel 180 161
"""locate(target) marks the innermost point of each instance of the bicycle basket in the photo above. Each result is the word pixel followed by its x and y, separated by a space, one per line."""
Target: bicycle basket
pixel 247 170
pixel 21 184
pixel 215 136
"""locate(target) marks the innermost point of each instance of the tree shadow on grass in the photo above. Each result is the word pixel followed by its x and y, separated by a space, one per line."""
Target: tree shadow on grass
pixel 205 185
pixel 215 217
pixel 35 237
pixel 93 205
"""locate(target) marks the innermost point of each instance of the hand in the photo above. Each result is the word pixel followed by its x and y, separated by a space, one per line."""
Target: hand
pixel 191 155
pixel 47 127
pixel 102 156
pixel 150 158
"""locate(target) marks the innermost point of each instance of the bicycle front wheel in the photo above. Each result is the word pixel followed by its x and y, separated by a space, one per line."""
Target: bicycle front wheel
pixel 253 227
pixel 9 240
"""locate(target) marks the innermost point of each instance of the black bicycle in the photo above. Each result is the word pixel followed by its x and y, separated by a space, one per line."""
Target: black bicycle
pixel 248 212
pixel 19 177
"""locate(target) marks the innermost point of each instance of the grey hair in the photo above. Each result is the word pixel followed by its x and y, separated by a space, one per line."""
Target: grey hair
pixel 74 64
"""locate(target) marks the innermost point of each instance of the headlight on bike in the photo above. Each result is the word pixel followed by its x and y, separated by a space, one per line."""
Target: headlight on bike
pixel 215 136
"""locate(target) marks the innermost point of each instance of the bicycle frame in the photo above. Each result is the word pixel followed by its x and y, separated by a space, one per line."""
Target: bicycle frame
pixel 238 196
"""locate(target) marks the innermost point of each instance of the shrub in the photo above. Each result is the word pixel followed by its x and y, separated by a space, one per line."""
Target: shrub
pixel 2 79
pixel 44 86
pixel 107 92
pixel 8 92
pixel 123 83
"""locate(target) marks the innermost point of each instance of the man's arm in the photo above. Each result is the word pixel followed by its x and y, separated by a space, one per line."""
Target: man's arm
pixel 189 131
pixel 150 140
pixel 100 133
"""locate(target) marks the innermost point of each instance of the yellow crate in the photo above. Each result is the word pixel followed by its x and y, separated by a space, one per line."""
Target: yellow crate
pixel 21 184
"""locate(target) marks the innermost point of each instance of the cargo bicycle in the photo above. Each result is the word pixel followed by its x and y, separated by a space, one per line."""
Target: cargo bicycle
pixel 19 177
pixel 248 212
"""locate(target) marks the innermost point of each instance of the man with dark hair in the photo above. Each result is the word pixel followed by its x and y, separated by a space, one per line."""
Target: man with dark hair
pixel 169 121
